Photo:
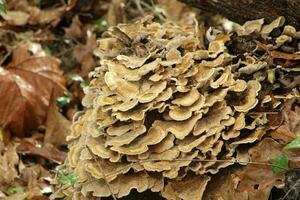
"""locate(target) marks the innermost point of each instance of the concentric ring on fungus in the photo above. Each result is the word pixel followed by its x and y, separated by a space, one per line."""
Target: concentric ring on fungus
pixel 159 103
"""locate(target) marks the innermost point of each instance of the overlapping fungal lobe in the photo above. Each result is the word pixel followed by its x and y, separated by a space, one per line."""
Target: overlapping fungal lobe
pixel 161 112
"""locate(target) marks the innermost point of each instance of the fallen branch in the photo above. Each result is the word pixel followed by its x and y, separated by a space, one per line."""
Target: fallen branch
pixel 243 10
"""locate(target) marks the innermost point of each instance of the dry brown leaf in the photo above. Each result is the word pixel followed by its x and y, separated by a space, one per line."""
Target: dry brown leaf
pixel 34 176
pixel 26 88
pixel 75 30
pixel 177 11
pixel 22 12
pixel 291 126
pixel 84 54
pixel 275 120
pixel 43 17
pixel 88 63
pixel 261 177
pixel 57 126
pixel 253 182
pixel 17 18
pixel 189 188
pixel 224 186
pixel 47 151
pixel 9 159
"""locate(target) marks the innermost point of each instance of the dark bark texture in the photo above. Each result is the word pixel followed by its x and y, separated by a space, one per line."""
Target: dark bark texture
pixel 243 10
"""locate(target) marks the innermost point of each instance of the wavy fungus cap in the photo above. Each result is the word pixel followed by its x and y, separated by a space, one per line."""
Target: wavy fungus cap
pixel 158 108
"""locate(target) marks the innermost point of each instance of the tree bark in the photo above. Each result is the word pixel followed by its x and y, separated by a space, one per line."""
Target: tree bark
pixel 243 10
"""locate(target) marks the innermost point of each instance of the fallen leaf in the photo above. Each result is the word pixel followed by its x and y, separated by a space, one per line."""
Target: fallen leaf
pixel 26 88
pixel 280 164
pixel 22 12
pixel 224 186
pixel 47 151
pixel 286 56
pixel 9 159
pixel 16 18
pixel 75 30
pixel 295 144
pixel 88 63
pixel 189 187
pixel 252 182
pixel 35 176
pixel 291 126
pixel 42 17
pixel 175 10
pixel 57 127
pixel 293 152
pixel 275 119
pixel 260 177
pixel 83 54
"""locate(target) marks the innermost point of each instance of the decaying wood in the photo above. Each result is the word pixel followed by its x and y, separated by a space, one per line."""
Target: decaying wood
pixel 243 10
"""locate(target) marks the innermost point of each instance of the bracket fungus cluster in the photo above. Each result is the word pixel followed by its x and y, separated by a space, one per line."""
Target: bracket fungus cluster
pixel 164 115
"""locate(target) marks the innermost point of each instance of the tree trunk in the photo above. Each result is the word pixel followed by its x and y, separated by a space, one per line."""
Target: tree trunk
pixel 243 10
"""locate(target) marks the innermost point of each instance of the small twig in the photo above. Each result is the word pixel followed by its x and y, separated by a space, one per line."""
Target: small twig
pixel 292 188
pixel 207 160
pixel 104 175
pixel 5 57
pixel 201 160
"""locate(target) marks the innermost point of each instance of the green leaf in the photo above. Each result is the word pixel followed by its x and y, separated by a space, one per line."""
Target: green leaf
pixel 100 24
pixel 295 144
pixel 2 8
pixel 280 164
pixel 65 176
pixel 13 190
pixel 64 100
pixel 47 49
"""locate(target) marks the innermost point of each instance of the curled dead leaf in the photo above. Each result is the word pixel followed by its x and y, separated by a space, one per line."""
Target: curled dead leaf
pixel 26 89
